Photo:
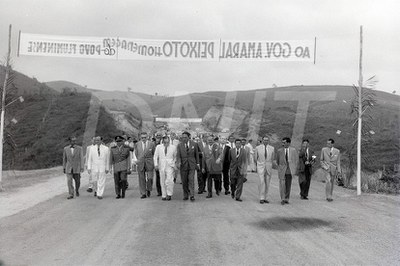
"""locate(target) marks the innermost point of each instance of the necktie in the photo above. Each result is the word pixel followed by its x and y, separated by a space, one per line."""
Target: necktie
pixel 165 150
pixel 98 149
pixel 307 154
pixel 144 145
pixel 265 147
pixel 237 152
pixel 187 147
pixel 286 155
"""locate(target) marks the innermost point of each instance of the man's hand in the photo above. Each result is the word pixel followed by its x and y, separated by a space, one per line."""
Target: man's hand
pixel 203 171
pixel 88 170
pixel 107 171
pixel 197 166
pixel 82 169
pixel 156 167
pixel 218 161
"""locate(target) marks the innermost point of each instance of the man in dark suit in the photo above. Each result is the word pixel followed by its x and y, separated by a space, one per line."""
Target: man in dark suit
pixel 201 176
pixel 225 164
pixel 306 160
pixel 286 159
pixel 187 162
pixel 238 162
pixel 144 151
pixel 73 164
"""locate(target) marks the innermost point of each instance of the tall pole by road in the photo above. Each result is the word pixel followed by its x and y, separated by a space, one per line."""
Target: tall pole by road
pixel 3 107
pixel 360 83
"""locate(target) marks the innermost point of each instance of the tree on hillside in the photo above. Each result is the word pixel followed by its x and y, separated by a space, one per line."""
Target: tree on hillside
pixel 368 102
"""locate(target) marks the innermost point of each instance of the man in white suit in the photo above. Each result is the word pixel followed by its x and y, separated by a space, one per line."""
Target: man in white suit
pixel 263 157
pixel 286 159
pixel 165 163
pixel 330 157
pixel 99 165
pixel 91 181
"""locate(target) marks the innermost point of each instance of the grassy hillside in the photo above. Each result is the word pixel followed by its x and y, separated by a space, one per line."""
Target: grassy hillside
pixel 324 118
pixel 45 121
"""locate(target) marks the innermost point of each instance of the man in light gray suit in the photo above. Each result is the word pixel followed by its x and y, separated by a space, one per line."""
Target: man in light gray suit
pixel 286 159
pixel 330 157
pixel 144 151
pixel 73 164
pixel 264 156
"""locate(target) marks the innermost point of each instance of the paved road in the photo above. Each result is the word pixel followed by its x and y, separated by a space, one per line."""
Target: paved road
pixel 219 231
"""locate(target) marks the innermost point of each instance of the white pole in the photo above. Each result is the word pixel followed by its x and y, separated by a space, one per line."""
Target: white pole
pixel 360 82
pixel 3 108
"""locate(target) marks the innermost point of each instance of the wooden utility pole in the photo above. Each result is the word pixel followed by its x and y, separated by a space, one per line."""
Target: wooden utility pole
pixel 3 107
pixel 360 111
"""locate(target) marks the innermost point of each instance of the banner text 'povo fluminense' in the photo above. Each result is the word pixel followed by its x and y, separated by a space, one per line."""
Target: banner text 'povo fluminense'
pixel 118 48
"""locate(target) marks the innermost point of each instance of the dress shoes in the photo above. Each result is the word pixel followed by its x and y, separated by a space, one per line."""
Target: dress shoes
pixel 200 192
pixel 70 197
pixel 192 199
pixel 304 198
pixel 143 197
pixel 217 192
pixel 163 198
pixel 209 196
pixel 282 202
pixel 240 200
pixel 266 201
pixel 159 195
pixel 185 198
pixel 168 197
pixel 233 195
pixel 90 190
pixel 118 197
pixel 261 201
pixel 148 193
pixel 286 202
pixel 77 193
pixel 100 197
pixel 329 200
pixel 227 192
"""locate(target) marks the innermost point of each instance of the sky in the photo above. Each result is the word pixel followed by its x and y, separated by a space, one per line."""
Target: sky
pixel 335 24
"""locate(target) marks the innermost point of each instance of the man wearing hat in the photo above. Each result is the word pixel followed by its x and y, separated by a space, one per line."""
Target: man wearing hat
pixel 73 164
pixel 120 160
pixel 165 163
pixel 98 165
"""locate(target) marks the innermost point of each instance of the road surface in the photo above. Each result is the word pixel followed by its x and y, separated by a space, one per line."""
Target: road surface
pixel 350 230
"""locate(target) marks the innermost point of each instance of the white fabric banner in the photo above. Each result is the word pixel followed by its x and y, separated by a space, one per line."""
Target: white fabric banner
pixel 182 50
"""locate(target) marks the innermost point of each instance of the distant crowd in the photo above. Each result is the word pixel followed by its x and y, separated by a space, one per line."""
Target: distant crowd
pixel 217 163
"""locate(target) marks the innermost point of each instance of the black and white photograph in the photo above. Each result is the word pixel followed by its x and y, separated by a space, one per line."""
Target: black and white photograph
pixel 188 132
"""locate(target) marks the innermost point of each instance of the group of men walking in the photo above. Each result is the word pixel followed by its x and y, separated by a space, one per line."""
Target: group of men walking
pixel 222 163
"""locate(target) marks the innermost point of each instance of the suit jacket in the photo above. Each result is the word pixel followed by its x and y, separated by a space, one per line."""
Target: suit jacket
pixel 262 163
pixel 98 163
pixel 165 161
pixel 238 163
pixel 225 157
pixel 187 160
pixel 73 163
pixel 332 158
pixel 145 160
pixel 216 155
pixel 293 159
pixel 120 158
pixel 303 158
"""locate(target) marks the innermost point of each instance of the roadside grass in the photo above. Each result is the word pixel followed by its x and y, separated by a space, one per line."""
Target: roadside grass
pixel 371 182
pixel 15 179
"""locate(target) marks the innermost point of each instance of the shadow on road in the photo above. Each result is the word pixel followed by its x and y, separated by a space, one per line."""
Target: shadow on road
pixel 292 223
